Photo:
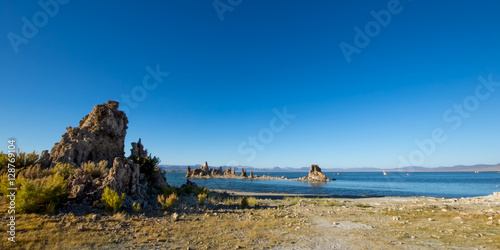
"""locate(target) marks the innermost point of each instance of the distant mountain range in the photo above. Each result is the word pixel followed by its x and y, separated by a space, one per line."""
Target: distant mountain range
pixel 458 168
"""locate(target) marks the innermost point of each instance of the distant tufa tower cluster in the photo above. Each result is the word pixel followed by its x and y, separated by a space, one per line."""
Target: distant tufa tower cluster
pixel 205 171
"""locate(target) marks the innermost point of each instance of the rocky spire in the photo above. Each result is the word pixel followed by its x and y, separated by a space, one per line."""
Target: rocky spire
pixel 100 136
pixel 138 150
pixel 316 174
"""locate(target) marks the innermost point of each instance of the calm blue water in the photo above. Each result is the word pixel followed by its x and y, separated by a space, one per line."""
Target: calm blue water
pixel 448 185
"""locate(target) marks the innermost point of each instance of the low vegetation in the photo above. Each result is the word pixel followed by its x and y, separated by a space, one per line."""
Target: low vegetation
pixel 334 203
pixel 361 205
pixel 136 207
pixel 148 165
pixel 202 198
pixel 167 202
pixel 38 190
pixel 387 223
pixel 23 160
pixel 40 195
pixel 252 201
pixel 112 201
pixel 244 202
pixel 96 171
pixel 43 190
pixel 293 200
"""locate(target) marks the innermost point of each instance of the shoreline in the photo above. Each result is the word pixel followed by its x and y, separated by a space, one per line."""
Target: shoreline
pixel 271 195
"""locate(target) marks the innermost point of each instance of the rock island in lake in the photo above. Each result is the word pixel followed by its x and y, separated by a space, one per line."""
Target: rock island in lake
pixel 315 174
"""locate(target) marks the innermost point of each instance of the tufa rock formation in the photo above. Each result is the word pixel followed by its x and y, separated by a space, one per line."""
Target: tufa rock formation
pixel 189 172
pixel 205 170
pixel 189 184
pixel 123 177
pixel 155 179
pixel 315 174
pixel 79 183
pixel 138 150
pixel 100 136
pixel 44 159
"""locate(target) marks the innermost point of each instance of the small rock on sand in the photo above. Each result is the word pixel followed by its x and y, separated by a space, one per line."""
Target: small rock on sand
pixel 175 216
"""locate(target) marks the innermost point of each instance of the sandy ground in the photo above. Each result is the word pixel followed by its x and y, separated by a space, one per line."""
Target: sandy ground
pixel 394 222
pixel 291 223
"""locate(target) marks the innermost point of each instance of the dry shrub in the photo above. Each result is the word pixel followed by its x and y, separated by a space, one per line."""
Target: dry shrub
pixel 167 203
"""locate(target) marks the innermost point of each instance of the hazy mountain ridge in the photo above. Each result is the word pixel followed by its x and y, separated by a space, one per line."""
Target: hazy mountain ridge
pixel 458 168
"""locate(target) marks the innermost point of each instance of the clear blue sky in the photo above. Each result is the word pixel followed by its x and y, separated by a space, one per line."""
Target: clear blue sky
pixel 226 77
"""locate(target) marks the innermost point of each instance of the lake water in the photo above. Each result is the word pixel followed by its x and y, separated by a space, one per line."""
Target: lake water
pixel 447 185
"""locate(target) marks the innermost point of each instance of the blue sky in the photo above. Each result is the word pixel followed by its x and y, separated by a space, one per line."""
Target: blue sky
pixel 226 77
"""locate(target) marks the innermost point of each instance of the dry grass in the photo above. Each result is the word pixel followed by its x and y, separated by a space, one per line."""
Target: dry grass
pixel 361 205
pixel 252 201
pixel 450 226
pixel 388 224
pixel 293 200
pixel 334 203
pixel 214 229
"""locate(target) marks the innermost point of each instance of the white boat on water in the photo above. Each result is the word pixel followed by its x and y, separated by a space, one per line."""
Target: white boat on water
pixel 384 172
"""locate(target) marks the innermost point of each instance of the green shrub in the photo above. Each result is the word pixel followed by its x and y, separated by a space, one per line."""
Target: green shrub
pixel 136 207
pixel 194 190
pixel 167 203
pixel 63 169
pixel 4 161
pixel 252 201
pixel 22 160
pixel 167 190
pixel 26 159
pixel 334 203
pixel 202 198
pixel 244 202
pixel 101 170
pixel 112 201
pixel 187 190
pixel 147 165
pixel 203 190
pixel 35 172
pixel 40 195
pixel 51 207
pixel 293 200
pixel 4 184
pixel 361 205
pixel 229 201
